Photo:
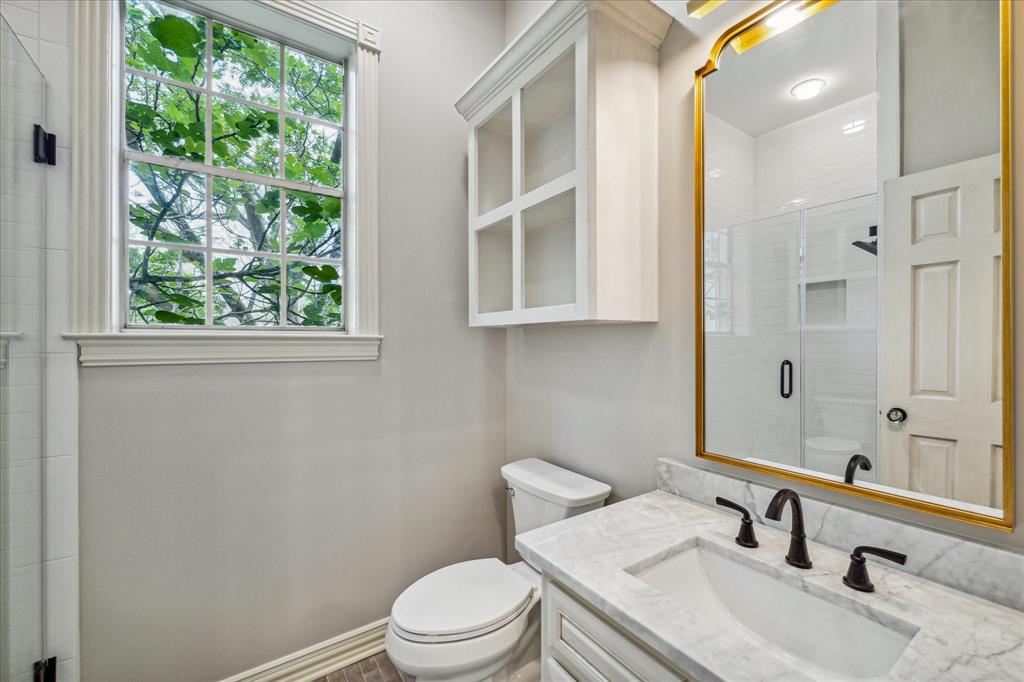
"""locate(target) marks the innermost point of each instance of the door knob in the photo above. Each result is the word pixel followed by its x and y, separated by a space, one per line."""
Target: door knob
pixel 896 415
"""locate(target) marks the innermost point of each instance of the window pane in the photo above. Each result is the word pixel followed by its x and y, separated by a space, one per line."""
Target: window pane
pixel 166 204
pixel 314 87
pixel 312 153
pixel 162 40
pixel 246 291
pixel 165 120
pixel 245 216
pixel 314 225
pixel 314 295
pixel 245 138
pixel 165 286
pixel 246 66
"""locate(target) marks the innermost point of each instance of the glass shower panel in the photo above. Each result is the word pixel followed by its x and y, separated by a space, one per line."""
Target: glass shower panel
pixel 752 339
pixel 840 335
pixel 22 192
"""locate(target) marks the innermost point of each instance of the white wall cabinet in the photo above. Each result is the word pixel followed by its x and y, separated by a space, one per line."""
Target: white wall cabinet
pixel 563 169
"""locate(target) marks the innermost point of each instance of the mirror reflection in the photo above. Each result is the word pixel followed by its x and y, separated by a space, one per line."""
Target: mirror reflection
pixel 852 241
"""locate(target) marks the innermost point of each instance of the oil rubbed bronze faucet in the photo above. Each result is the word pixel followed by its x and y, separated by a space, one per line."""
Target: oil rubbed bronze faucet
pixel 797 555
pixel 856 577
pixel 856 461
pixel 746 537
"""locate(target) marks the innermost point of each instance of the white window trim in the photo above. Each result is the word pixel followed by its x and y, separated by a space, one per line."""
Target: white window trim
pixel 95 160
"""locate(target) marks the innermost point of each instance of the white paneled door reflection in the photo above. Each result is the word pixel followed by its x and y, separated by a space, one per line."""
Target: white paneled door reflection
pixel 942 331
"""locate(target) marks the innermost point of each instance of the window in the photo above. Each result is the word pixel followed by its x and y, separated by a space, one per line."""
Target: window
pixel 233 177
pixel 717 295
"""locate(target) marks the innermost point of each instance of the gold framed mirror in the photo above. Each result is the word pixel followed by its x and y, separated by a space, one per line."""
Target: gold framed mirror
pixel 854 251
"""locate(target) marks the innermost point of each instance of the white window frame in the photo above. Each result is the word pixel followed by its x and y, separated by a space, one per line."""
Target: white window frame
pixel 718 277
pixel 96 299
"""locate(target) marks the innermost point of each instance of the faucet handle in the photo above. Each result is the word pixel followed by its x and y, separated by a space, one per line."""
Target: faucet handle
pixel 746 537
pixel 856 577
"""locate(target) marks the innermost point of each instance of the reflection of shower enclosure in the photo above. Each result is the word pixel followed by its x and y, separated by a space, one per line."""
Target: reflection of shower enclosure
pixel 793 288
pixel 22 185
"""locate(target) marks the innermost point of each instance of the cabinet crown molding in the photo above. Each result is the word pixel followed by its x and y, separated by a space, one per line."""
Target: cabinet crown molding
pixel 641 17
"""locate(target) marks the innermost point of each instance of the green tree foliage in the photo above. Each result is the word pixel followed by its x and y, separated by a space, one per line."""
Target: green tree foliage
pixel 164 41
pixel 170 279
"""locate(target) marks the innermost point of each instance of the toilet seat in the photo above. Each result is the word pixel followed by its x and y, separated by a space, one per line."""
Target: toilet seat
pixel 461 601
pixel 830 445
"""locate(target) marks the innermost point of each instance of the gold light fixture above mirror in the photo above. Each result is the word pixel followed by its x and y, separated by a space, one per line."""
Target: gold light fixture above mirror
pixel 776 21
pixel 698 9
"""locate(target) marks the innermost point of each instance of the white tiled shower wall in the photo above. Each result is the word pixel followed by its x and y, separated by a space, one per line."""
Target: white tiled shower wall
pixel 44 28
pixel 756 188
pixel 815 161
pixel 21 376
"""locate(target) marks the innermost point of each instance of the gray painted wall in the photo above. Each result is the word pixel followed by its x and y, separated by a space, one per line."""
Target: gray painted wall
pixel 949 55
pixel 234 514
pixel 519 14
pixel 608 400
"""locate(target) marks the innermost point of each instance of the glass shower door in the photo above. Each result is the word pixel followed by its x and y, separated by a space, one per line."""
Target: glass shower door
pixel 22 195
pixel 752 339
pixel 840 335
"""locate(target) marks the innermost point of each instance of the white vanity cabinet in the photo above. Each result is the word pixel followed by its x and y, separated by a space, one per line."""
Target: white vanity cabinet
pixel 563 169
pixel 578 644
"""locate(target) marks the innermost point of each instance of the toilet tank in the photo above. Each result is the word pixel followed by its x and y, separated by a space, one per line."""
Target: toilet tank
pixel 543 493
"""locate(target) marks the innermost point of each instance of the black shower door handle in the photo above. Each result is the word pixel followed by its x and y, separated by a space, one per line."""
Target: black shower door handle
pixel 786 379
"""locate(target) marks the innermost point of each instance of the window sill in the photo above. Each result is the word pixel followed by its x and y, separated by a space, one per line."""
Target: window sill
pixel 215 348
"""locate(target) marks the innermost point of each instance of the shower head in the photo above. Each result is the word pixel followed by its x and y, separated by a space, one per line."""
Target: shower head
pixel 871 246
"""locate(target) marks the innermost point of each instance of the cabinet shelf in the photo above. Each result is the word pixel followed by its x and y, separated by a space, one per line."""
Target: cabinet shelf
pixel 558 234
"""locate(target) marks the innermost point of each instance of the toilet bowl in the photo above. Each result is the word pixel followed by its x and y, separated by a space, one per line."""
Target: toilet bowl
pixel 828 454
pixel 479 621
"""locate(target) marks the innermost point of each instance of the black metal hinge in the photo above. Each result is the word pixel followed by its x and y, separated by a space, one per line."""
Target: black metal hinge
pixel 44 146
pixel 45 670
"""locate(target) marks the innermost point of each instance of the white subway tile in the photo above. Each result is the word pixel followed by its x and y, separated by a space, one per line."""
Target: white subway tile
pixel 57 293
pixel 23 17
pixel 61 509
pixel 55 21
pixel 61 397
pixel 62 608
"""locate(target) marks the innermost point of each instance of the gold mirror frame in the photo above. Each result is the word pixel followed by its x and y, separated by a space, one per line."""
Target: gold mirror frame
pixel 751 31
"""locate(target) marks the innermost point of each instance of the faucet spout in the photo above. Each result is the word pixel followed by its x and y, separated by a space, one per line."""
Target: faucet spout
pixel 797 555
pixel 857 460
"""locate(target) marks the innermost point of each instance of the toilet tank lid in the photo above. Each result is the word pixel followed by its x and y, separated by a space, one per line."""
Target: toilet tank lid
pixel 553 483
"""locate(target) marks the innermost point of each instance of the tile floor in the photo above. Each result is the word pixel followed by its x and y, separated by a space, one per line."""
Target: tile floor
pixel 374 669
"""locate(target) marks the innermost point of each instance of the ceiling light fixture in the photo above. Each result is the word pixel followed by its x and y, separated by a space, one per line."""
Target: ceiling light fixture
pixel 854 127
pixel 807 89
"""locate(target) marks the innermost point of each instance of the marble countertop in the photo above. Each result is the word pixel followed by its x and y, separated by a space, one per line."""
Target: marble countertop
pixel 959 637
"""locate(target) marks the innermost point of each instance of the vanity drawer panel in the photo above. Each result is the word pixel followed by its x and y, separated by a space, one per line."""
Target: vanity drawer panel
pixel 591 648
pixel 603 664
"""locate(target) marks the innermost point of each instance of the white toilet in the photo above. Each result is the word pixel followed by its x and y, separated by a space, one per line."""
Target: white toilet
pixel 479 621
pixel 829 454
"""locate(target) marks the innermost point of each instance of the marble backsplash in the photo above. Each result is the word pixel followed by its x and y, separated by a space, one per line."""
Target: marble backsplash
pixel 980 570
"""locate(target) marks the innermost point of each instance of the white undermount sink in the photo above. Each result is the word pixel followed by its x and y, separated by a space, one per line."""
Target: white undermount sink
pixel 812 634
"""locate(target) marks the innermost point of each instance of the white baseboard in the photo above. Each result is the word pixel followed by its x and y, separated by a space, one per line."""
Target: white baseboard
pixel 320 659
